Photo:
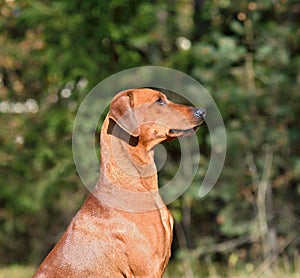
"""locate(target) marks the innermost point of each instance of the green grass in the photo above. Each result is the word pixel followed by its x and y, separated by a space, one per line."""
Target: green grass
pixel 17 271
pixel 190 268
pixel 185 270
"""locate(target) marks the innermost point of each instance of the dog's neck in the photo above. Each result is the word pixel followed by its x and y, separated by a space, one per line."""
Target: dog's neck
pixel 127 164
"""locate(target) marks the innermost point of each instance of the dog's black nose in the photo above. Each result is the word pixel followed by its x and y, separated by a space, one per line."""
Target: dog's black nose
pixel 200 112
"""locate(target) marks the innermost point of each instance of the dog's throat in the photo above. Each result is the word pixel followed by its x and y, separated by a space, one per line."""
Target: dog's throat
pixel 115 130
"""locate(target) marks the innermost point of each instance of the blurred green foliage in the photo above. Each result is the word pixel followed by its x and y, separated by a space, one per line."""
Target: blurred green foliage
pixel 246 54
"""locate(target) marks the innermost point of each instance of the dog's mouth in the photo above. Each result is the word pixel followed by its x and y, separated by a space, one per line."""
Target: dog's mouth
pixel 173 133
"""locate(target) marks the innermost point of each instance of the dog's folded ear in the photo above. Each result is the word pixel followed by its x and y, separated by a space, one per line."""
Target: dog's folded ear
pixel 122 112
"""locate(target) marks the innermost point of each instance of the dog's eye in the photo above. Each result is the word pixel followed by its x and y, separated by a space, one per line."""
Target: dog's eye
pixel 160 101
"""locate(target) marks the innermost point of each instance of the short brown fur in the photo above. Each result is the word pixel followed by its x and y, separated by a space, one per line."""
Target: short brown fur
pixel 115 235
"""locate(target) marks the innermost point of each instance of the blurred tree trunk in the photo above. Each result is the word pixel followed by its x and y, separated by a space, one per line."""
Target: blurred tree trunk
pixel 264 204
pixel 200 23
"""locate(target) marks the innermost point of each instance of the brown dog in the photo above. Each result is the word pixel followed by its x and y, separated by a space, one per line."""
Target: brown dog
pixel 123 229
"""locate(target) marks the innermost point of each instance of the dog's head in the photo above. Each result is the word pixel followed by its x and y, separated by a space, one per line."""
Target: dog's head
pixel 150 116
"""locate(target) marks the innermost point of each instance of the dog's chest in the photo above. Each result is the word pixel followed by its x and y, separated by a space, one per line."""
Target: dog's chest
pixel 148 236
